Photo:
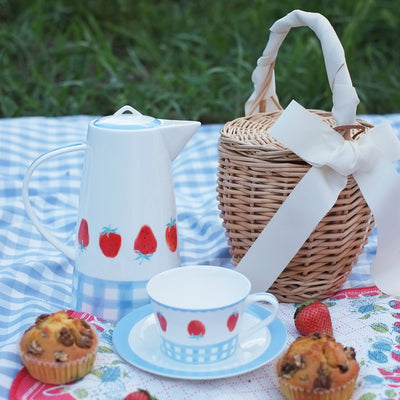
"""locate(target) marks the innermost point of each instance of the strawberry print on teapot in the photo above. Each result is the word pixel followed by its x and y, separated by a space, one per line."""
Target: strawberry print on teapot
pixel 145 244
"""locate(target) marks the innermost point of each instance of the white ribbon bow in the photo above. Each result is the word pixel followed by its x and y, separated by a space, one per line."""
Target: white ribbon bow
pixel 370 161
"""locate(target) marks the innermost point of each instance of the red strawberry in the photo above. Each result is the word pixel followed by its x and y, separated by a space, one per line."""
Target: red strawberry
pixel 109 242
pixel 83 234
pixel 196 329
pixel 313 317
pixel 162 321
pixel 232 321
pixel 140 394
pixel 145 243
pixel 171 236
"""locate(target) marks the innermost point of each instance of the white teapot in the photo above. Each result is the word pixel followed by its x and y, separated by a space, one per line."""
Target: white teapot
pixel 126 231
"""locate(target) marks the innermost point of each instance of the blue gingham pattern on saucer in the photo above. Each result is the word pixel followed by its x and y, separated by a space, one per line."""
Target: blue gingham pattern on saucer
pixel 199 354
pixel 35 277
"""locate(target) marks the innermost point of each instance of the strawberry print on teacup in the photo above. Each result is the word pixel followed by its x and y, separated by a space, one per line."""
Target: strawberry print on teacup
pixel 199 309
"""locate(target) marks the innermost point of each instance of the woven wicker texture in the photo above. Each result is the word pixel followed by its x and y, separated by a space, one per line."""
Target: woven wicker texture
pixel 255 175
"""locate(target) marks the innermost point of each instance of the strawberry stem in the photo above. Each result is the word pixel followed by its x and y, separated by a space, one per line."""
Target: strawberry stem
pixel 171 223
pixel 301 306
pixel 82 248
pixel 147 394
pixel 107 230
pixel 142 256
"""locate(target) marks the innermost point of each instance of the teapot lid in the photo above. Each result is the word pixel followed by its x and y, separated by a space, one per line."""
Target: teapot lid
pixel 132 120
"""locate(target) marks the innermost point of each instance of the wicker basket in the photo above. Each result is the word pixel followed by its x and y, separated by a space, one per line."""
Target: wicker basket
pixel 256 174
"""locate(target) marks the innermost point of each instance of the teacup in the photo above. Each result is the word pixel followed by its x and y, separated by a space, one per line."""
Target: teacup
pixel 199 311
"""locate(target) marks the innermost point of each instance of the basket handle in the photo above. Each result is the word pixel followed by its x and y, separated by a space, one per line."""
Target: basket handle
pixel 264 98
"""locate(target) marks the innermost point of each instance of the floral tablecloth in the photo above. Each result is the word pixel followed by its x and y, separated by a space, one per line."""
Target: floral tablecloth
pixel 363 318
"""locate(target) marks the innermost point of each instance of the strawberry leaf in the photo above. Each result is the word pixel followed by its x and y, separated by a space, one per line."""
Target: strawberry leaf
pixel 380 327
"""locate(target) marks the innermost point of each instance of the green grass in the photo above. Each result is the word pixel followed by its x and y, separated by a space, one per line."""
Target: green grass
pixel 185 59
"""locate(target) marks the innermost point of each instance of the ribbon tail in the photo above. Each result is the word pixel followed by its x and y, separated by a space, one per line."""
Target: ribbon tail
pixel 380 187
pixel 290 227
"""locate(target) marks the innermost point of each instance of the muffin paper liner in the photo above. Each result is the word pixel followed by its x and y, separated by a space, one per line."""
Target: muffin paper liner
pixel 343 392
pixel 59 372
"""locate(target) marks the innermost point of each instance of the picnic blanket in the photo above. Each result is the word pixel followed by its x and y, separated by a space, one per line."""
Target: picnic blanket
pixel 36 278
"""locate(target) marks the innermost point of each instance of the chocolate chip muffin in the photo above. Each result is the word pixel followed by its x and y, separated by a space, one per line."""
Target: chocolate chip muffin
pixel 317 367
pixel 58 348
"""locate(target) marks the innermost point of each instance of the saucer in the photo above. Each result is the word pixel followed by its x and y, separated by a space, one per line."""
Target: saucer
pixel 136 339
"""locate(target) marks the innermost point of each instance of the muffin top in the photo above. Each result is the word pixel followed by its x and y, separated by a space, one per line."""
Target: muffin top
pixel 58 337
pixel 317 362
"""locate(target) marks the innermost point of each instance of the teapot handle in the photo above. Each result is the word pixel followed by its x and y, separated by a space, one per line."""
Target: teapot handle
pixel 68 251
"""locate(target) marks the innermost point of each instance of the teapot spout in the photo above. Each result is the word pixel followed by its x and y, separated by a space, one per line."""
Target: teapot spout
pixel 176 134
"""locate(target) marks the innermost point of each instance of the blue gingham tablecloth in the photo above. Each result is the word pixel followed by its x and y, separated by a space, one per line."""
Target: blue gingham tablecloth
pixel 36 278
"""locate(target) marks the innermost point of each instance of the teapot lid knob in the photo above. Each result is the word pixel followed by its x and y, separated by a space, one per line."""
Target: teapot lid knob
pixel 127 117
pixel 129 108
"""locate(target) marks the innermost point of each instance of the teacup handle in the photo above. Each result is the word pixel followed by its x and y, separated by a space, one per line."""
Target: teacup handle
pixel 68 251
pixel 261 298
